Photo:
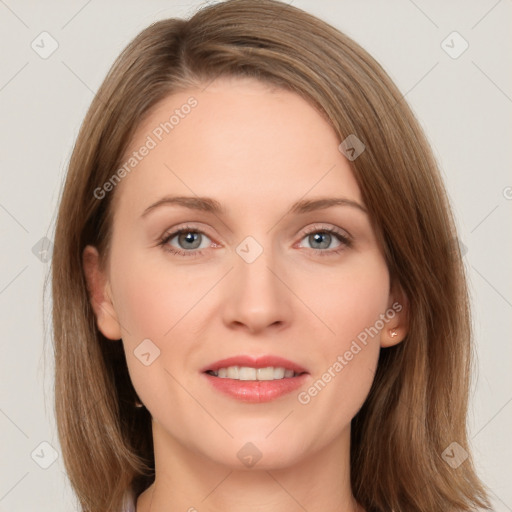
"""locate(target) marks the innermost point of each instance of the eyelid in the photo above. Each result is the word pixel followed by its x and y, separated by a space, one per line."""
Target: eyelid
pixel 319 226
pixel 185 227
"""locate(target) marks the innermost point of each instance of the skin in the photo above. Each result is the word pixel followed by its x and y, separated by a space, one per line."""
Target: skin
pixel 256 151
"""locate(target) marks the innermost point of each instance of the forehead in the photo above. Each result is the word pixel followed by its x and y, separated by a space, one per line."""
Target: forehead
pixel 238 140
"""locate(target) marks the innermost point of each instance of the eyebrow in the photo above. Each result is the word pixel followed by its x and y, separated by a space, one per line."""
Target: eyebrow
pixel 210 205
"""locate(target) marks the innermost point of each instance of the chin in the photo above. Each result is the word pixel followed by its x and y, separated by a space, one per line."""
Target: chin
pixel 258 453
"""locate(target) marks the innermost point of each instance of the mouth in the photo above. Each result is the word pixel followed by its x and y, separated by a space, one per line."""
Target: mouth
pixel 251 373
pixel 255 379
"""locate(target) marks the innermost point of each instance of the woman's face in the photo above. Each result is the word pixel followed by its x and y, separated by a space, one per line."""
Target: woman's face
pixel 256 279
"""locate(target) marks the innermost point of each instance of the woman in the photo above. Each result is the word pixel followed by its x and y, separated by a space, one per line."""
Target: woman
pixel 255 369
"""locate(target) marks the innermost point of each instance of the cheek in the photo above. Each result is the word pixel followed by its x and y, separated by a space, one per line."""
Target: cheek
pixel 348 299
pixel 151 305
pixel 155 300
pixel 151 299
pixel 351 303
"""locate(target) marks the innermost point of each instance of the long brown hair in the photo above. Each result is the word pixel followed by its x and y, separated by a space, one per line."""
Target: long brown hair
pixel 418 403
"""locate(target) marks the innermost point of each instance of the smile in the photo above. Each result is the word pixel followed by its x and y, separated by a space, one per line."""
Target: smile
pixel 256 379
pixel 249 373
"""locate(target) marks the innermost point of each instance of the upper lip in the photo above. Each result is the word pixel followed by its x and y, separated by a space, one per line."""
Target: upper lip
pixel 262 361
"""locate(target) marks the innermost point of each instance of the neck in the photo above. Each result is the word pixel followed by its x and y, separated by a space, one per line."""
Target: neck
pixel 187 481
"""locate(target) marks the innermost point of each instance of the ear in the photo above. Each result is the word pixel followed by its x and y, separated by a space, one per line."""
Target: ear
pixel 396 329
pixel 100 294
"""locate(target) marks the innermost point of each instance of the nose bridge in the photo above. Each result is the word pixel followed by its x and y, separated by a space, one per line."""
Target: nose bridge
pixel 257 298
pixel 252 269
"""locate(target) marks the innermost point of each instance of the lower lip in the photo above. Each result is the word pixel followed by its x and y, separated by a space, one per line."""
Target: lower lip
pixel 256 391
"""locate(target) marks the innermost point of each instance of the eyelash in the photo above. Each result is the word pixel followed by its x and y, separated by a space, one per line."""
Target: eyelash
pixel 345 241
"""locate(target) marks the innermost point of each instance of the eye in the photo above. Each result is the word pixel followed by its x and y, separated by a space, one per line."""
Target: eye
pixel 188 239
pixel 321 238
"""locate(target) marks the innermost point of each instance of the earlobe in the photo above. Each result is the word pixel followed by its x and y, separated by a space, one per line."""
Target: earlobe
pixel 100 295
pixel 397 327
pixel 391 336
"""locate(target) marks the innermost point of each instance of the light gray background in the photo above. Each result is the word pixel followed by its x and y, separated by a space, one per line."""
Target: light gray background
pixel 464 105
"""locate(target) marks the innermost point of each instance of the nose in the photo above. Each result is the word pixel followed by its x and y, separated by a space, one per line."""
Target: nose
pixel 256 295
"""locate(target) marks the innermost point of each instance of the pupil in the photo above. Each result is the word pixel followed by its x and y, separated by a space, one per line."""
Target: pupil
pixel 190 238
pixel 318 239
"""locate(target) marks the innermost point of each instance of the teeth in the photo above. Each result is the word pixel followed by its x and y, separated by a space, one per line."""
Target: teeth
pixel 248 373
pixel 245 373
pixel 232 372
pixel 265 373
pixel 279 372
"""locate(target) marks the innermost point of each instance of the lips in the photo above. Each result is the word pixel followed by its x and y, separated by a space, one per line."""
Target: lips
pixel 255 362
pixel 249 389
